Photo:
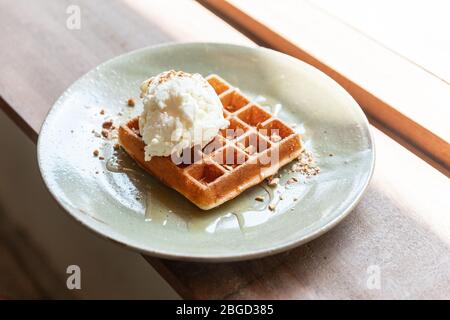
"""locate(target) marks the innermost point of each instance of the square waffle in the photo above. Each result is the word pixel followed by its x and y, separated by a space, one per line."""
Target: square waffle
pixel 256 147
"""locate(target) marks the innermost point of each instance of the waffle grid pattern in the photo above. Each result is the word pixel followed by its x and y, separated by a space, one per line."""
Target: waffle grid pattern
pixel 232 162
pixel 249 139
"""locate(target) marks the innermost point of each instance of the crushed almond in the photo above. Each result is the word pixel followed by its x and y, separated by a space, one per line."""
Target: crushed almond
pixel 271 207
pixel 105 133
pixel 169 74
pixel 102 112
pixel 306 165
pixel 107 124
pixel 96 153
pixel 116 146
pixel 291 181
pixel 101 158
pixel 131 102
pixel 259 198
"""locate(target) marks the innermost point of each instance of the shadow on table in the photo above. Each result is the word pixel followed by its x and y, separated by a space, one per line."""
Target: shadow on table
pixel 339 265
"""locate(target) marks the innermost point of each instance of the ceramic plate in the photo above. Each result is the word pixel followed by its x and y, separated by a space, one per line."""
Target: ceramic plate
pixel 116 199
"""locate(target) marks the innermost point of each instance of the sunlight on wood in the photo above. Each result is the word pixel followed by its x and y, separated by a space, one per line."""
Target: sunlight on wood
pixel 180 19
pixel 412 91
pixel 417 29
pixel 406 99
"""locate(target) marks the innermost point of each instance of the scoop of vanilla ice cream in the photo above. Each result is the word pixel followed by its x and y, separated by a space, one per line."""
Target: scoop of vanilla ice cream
pixel 180 110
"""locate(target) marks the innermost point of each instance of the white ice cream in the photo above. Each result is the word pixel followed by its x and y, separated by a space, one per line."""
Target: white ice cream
pixel 180 110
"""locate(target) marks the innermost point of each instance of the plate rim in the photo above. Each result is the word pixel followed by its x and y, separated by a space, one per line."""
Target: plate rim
pixel 92 226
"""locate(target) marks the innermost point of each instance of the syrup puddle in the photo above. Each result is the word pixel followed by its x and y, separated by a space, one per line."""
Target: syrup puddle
pixel 245 210
pixel 117 165
pixel 165 207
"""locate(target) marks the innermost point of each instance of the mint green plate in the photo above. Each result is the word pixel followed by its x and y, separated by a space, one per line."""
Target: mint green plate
pixel 116 199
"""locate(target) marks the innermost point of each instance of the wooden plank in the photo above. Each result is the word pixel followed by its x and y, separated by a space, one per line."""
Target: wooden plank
pixel 422 37
pixel 410 102
pixel 43 57
pixel 401 228
pixel 24 269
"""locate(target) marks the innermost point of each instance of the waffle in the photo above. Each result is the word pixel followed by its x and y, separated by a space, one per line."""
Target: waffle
pixel 257 147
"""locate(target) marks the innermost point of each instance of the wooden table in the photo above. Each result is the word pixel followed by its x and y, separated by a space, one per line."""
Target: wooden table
pixel 399 233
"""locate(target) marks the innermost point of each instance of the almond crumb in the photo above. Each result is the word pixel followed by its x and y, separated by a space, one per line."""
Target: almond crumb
pixel 259 198
pixel 116 146
pixel 131 102
pixel 306 165
pixel 105 133
pixel 102 112
pixel 107 124
pixel 96 153
pixel 292 180
pixel 273 181
pixel 271 207
pixel 101 158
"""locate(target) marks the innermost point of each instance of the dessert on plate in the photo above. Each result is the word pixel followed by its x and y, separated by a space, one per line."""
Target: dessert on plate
pixel 205 139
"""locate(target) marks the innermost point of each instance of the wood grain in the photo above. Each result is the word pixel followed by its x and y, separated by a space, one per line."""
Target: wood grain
pixel 425 44
pixel 409 102
pixel 401 224
pixel 43 57
pixel 24 269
